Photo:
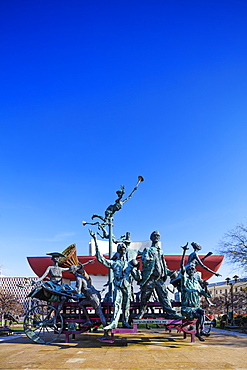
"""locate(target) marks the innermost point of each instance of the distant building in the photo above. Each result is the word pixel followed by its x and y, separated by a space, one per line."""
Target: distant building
pixel 10 285
pixel 221 288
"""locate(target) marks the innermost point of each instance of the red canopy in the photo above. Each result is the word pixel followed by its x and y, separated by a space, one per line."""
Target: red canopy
pixel 40 264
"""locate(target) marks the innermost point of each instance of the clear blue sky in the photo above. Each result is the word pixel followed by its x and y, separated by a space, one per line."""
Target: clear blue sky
pixel 95 93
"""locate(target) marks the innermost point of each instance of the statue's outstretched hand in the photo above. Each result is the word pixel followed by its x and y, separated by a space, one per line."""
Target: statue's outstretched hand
pixel 93 235
pixel 185 247
pixel 216 274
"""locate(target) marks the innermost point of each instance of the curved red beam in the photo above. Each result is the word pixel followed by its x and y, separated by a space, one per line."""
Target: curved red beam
pixel 40 264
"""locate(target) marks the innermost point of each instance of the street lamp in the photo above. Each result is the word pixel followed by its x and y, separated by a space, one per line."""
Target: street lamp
pixel 235 277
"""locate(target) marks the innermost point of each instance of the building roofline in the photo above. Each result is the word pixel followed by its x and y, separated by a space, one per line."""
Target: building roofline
pixel 230 281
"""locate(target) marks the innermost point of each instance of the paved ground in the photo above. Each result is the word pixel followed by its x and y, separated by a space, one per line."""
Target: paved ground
pixel 148 349
pixel 228 332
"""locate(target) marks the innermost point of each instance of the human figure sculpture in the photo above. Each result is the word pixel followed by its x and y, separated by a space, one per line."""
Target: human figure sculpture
pixel 191 290
pixel 54 289
pixel 119 202
pixel 55 271
pixel 154 275
pixel 125 239
pixel 91 295
pixel 124 272
pixel 195 259
pixel 113 208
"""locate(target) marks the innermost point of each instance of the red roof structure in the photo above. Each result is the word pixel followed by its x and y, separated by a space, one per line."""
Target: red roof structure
pixel 40 264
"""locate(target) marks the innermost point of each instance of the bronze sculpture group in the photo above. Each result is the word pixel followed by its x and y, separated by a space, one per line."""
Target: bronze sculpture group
pixel 125 269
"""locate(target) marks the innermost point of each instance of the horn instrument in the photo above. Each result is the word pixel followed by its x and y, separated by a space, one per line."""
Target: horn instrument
pixel 70 257
pixel 140 179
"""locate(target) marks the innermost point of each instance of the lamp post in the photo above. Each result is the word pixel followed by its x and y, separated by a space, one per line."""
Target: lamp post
pixel 231 283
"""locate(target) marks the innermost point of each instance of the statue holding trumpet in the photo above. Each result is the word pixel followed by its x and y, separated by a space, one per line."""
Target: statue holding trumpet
pixel 107 220
pixel 119 202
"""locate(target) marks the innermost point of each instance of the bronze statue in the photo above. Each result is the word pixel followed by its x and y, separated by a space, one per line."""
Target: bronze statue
pixel 55 271
pixel 154 275
pixel 53 290
pixel 195 259
pixel 119 202
pixel 91 295
pixel 124 272
pixel 191 290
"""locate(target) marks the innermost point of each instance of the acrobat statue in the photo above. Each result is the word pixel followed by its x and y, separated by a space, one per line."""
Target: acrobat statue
pixel 119 202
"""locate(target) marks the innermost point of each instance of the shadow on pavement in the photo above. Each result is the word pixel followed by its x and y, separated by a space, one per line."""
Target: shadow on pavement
pixel 141 339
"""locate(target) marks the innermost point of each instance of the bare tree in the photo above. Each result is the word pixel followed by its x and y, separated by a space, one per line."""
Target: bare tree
pixel 234 246
pixel 240 302
pixel 220 305
pixel 8 303
pixel 223 304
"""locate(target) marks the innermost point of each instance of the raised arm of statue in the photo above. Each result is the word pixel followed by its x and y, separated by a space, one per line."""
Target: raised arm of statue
pixel 140 179
pixel 185 248
pixel 100 258
pixel 46 273
pixel 193 257
pixel 199 261
pixel 93 235
pixel 125 200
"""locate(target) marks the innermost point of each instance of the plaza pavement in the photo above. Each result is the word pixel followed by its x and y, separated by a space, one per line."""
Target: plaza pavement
pixel 145 350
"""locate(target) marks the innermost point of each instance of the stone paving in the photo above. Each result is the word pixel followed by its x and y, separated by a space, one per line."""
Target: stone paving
pixel 147 349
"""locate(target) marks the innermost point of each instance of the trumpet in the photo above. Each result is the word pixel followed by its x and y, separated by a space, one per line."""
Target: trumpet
pixel 140 179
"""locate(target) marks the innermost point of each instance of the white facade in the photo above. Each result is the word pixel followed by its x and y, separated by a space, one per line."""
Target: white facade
pixel 104 246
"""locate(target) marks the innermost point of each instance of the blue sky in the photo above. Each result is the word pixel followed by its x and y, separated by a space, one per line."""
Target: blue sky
pixel 95 93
